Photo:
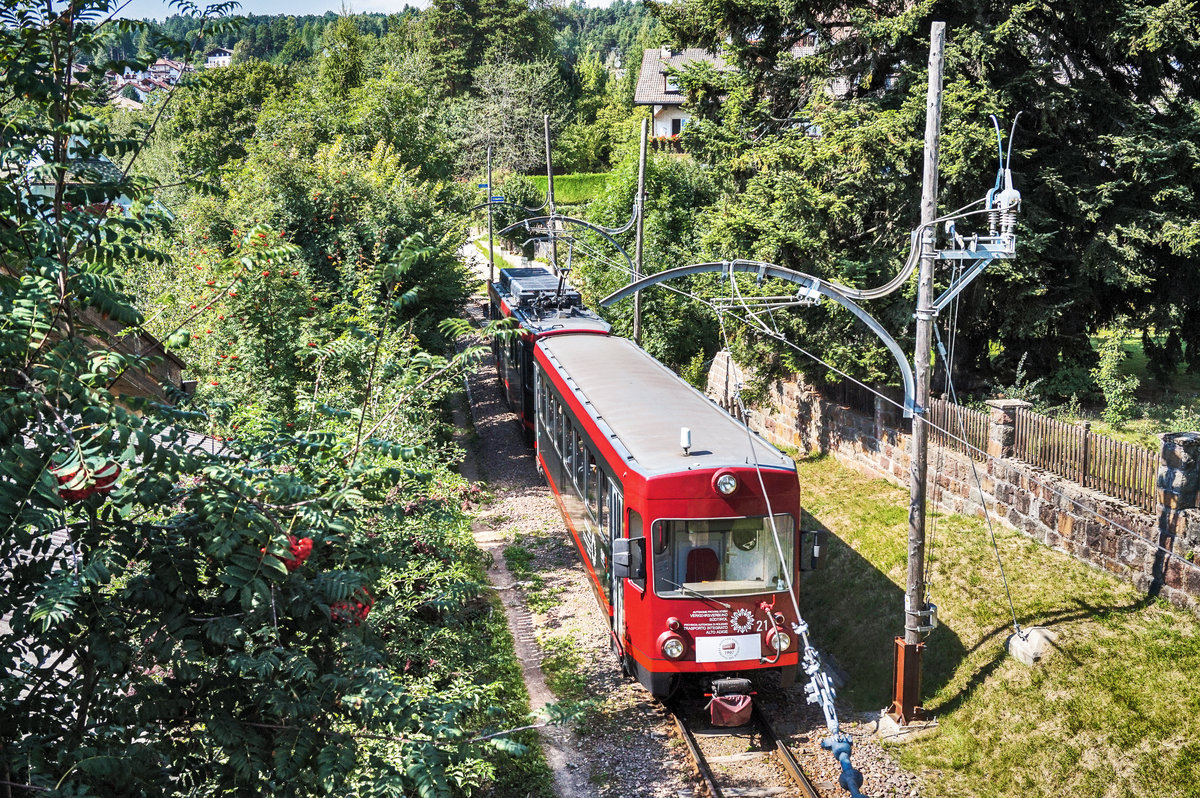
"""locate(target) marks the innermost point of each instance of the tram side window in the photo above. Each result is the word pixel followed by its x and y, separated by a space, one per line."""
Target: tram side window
pixel 558 425
pixel 590 475
pixel 602 503
pixel 637 548
pixel 580 462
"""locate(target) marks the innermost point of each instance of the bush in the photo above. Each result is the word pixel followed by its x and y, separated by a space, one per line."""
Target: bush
pixel 1118 388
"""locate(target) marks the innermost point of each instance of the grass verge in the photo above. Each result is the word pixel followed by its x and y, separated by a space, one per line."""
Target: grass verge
pixel 538 596
pixel 573 189
pixel 562 664
pixel 1111 712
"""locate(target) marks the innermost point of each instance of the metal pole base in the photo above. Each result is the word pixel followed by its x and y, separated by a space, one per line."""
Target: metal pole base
pixel 906 684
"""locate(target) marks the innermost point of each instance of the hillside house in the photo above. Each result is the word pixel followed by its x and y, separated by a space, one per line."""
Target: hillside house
pixel 218 57
pixel 166 70
pixel 659 89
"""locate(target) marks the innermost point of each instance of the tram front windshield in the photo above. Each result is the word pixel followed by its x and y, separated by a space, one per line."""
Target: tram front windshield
pixel 721 556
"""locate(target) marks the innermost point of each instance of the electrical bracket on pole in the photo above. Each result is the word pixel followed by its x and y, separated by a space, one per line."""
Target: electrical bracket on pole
pixel 983 253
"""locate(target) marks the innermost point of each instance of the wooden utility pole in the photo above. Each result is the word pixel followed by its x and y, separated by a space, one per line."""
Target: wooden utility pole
pixel 491 245
pixel 552 226
pixel 640 203
pixel 906 695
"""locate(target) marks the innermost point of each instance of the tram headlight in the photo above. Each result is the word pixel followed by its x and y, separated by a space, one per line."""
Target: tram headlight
pixel 727 484
pixel 780 641
pixel 673 648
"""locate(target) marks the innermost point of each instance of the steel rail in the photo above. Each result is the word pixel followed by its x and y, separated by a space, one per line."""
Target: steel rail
pixel 698 761
pixel 770 739
pixel 784 755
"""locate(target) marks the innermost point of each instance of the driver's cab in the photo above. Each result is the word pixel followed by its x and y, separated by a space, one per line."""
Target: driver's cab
pixel 722 556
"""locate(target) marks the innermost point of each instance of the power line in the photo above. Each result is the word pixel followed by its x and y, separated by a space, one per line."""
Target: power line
pixel 947 433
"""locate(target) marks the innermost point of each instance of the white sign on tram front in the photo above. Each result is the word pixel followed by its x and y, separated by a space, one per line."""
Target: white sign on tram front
pixel 728 648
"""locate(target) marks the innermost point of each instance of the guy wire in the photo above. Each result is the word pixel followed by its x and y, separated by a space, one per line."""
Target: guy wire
pixel 961 439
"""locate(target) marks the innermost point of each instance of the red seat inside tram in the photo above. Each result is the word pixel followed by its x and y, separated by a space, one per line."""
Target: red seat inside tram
pixel 703 565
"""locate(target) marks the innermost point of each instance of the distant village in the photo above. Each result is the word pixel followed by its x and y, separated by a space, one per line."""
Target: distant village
pixel 132 88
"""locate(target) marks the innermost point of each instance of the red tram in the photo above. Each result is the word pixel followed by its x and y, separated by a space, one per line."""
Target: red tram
pixel 678 542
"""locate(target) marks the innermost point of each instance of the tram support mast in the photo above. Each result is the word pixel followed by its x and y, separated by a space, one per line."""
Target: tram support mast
pixel 640 202
pixel 906 689
pixel 491 243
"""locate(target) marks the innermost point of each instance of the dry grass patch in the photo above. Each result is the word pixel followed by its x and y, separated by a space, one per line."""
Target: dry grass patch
pixel 1112 712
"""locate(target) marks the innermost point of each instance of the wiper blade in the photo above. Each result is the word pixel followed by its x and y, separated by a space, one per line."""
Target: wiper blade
pixel 695 593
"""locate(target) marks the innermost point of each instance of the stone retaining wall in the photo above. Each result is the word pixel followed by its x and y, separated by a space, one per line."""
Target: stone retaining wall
pixel 1155 553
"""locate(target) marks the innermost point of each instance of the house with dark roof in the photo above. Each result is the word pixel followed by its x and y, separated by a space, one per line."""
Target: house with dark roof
pixel 218 57
pixel 658 88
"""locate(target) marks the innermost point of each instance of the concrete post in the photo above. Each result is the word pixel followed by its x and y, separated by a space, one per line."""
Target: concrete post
pixel 1002 426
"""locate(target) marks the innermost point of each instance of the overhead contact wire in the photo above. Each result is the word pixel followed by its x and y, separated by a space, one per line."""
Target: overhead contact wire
pixel 967 445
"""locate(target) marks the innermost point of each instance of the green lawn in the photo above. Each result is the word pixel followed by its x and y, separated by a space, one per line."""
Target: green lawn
pixel 1112 712
pixel 573 189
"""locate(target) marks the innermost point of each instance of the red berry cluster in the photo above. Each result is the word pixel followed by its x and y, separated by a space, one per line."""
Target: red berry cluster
pixel 354 610
pixel 77 482
pixel 300 549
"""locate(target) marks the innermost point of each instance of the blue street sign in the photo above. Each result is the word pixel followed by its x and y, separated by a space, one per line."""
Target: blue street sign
pixel 483 185
pixel 497 199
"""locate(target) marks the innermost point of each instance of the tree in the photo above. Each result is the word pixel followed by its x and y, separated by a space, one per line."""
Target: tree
pixel 463 35
pixel 451 39
pixel 676 329
pixel 217 116
pixel 180 620
pixel 1104 95
pixel 507 113
pixel 342 65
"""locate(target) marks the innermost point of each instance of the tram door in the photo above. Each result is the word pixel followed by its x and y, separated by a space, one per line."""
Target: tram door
pixel 616 587
pixel 526 373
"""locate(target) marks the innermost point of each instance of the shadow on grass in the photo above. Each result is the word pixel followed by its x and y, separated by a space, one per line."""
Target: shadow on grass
pixel 1080 610
pixel 856 612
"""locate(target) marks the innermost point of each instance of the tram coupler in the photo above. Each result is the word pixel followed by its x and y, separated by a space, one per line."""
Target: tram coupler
pixel 851 779
pixel 730 702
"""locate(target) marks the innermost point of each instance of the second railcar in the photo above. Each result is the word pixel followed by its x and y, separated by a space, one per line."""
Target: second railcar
pixel 540 304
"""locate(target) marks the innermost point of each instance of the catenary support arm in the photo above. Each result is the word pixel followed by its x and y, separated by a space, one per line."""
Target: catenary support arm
pixel 809 282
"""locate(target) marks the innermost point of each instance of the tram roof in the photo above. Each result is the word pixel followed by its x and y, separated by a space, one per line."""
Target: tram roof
pixel 644 403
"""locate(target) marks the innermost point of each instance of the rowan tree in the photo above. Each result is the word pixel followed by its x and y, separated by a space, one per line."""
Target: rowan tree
pixel 188 615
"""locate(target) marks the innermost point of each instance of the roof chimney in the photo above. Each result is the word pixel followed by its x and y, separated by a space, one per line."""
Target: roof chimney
pixel 666 52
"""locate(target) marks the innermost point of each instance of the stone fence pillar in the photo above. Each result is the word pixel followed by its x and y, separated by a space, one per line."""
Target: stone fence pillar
pixel 1002 426
pixel 1178 494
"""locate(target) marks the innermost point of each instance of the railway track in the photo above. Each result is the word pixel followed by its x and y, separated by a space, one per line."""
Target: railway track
pixel 741 762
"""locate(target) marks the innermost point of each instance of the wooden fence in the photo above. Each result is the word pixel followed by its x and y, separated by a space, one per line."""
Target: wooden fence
pixel 958 428
pixel 1073 451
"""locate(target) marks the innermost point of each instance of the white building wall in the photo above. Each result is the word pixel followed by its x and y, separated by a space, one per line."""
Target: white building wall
pixel 664 119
